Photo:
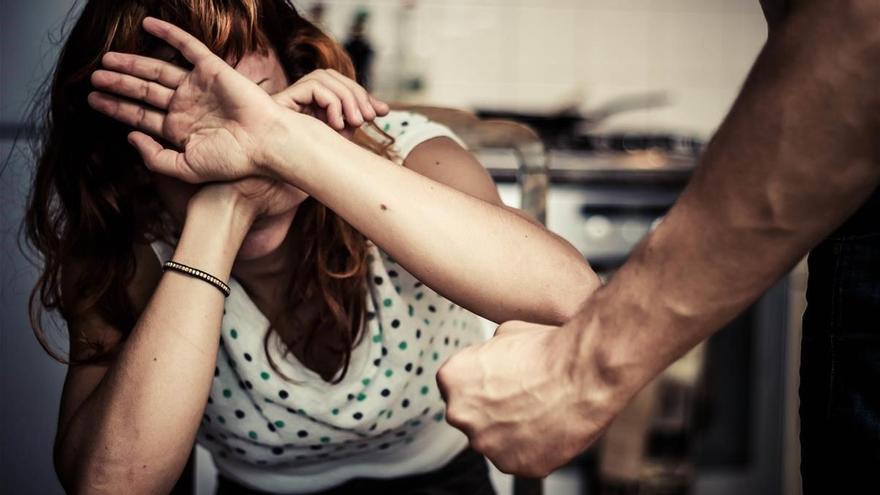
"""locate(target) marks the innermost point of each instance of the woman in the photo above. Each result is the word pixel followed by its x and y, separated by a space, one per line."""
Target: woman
pixel 317 372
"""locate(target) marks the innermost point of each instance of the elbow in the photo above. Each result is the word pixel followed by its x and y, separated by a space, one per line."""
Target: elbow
pixel 567 299
pixel 87 475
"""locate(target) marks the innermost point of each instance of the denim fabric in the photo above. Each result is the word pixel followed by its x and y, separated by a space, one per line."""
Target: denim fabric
pixel 840 367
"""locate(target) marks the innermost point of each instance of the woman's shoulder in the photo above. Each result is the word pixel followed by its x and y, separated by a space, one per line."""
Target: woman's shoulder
pixel 409 129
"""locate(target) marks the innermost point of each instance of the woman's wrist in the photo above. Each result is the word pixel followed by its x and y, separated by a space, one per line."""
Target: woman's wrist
pixel 217 221
pixel 291 146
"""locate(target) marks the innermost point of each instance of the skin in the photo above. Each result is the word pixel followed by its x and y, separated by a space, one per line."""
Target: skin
pixel 258 156
pixel 795 157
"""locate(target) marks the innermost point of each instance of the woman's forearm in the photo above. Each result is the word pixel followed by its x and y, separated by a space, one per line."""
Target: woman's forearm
pixel 480 255
pixel 136 429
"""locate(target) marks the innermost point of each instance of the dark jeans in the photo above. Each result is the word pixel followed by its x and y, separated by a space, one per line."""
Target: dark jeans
pixel 840 368
pixel 467 474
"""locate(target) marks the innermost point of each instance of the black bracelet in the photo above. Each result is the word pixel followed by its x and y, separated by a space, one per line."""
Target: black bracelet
pixel 196 273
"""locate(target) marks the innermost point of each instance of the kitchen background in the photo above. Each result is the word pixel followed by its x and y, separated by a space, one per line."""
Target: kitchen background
pixel 621 77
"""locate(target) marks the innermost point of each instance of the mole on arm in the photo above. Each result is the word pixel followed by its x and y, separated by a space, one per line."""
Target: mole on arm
pixel 383 207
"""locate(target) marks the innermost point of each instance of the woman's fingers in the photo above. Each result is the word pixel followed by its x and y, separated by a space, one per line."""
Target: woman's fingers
pixel 312 92
pixel 132 87
pixel 160 159
pixel 360 94
pixel 188 45
pixel 133 114
pixel 350 106
pixel 380 106
pixel 151 69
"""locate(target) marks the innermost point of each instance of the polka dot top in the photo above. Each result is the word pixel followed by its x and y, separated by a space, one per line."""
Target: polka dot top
pixel 384 419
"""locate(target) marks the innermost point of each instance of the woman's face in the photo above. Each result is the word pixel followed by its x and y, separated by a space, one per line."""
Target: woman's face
pixel 279 201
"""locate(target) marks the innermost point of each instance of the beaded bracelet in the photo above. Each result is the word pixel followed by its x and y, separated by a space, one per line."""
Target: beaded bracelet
pixel 196 273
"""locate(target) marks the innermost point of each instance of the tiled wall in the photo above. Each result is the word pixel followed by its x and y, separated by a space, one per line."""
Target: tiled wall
pixel 546 54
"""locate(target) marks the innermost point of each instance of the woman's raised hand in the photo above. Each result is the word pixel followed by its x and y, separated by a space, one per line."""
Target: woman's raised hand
pixel 333 98
pixel 216 120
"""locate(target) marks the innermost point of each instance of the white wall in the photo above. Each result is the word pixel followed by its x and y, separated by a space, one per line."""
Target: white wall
pixel 543 54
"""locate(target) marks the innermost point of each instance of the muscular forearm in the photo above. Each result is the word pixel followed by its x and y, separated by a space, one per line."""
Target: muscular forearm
pixel 795 157
pixel 136 430
pixel 482 256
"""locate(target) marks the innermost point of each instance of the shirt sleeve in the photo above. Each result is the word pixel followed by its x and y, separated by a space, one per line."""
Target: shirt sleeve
pixel 410 129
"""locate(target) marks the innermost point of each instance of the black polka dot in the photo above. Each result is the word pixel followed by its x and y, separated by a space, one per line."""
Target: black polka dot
pixel 400 434
pixel 350 396
pixel 283 394
pixel 392 273
pixel 209 437
pixel 231 363
pixel 384 351
pixel 384 446
pixel 377 362
pixel 417 285
pixel 446 341
pixel 291 411
pixel 408 367
pixel 404 123
pixel 316 447
pixel 386 392
pixel 432 309
pixel 426 411
pixel 223 455
pixel 405 403
pixel 248 384
pixel 270 426
pixel 324 456
pixel 216 371
pixel 277 450
pixel 240 450
pixel 258 408
pixel 206 418
pixel 210 400
pixel 371 315
pixel 247 357
pixel 418 333
pixel 357 415
pixel 302 433
pixel 419 370
pixel 239 413
pixel 373 427
pixel 395 323
pixel 241 384
pixel 378 280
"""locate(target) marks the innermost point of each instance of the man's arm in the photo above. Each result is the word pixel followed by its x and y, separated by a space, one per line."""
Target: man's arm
pixel 795 157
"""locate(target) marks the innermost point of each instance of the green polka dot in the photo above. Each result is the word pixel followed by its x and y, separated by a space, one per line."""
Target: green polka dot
pixel 361 397
pixel 301 412
pixel 427 321
pixel 436 356
pixel 365 381
pixel 252 434
pixel 264 375
pixel 412 310
pixel 402 346
pixel 233 333
pixel 279 424
pixel 425 390
pixel 387 127
pixel 377 338
pixel 387 303
pixel 335 412
pixel 221 419
pixel 227 393
pixel 325 439
pixel 438 417
pixel 397 289
pixel 415 423
pixel 388 373
pixel 419 296
pixel 389 415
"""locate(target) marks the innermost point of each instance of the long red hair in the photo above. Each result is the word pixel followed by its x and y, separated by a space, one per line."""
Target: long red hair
pixel 93 200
